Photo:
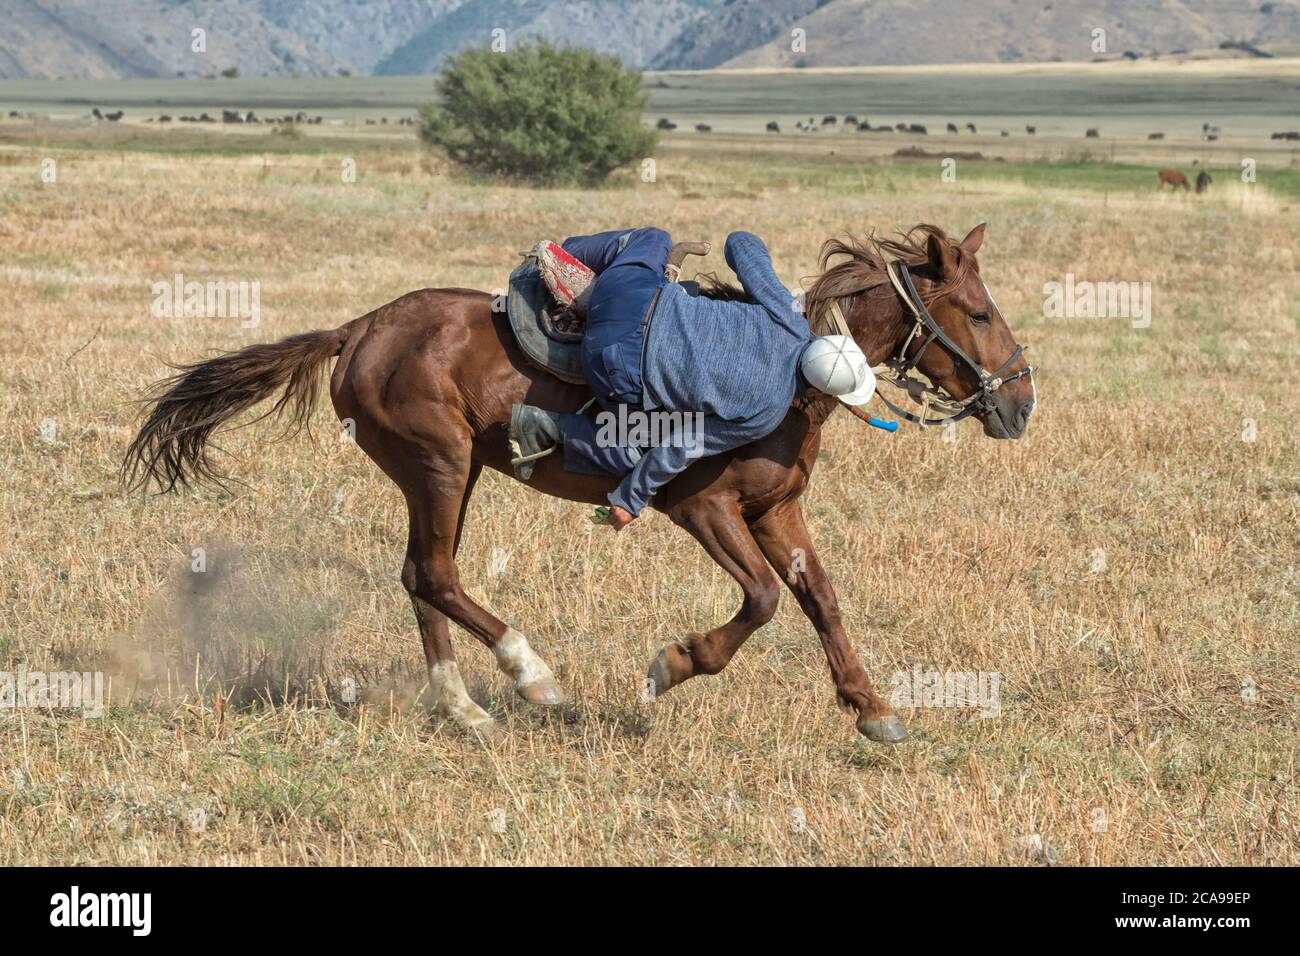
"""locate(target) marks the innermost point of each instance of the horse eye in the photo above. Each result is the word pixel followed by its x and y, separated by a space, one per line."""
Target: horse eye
pixel 980 318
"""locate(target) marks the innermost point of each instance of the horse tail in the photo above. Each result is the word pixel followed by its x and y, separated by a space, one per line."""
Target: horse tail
pixel 171 446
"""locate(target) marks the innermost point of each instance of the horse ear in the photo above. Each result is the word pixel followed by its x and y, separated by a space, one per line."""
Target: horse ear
pixel 971 244
pixel 940 254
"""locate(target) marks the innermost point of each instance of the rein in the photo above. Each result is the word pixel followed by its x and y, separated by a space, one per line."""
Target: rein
pixel 896 371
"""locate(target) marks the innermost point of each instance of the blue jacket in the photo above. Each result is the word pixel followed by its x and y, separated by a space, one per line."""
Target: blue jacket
pixel 736 362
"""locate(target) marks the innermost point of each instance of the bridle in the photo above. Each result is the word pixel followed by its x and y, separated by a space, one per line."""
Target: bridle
pixel 896 370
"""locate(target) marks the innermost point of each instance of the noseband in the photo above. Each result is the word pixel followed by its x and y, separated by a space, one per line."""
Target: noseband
pixel 896 370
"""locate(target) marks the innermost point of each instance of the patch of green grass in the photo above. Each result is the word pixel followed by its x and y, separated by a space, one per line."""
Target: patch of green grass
pixel 286 786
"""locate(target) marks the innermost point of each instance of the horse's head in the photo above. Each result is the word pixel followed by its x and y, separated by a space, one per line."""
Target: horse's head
pixel 950 285
pixel 918 302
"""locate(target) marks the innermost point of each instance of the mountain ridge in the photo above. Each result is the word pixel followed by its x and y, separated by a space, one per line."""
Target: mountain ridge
pixel 106 39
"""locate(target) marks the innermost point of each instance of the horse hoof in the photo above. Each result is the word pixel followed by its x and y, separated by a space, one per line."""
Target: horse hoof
pixel 883 730
pixel 481 724
pixel 545 692
pixel 659 679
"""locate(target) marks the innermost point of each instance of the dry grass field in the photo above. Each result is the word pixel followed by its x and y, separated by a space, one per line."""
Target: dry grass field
pixel 1129 568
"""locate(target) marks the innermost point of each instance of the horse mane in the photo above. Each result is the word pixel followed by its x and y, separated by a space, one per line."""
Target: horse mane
pixel 724 290
pixel 862 268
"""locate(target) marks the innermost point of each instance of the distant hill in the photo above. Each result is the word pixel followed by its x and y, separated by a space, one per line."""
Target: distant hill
pixel 901 32
pixel 729 30
pixel 97 39
pixel 636 31
pixel 92 39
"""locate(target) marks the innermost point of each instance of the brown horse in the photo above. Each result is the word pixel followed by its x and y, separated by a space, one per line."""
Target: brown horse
pixel 428 380
pixel 1173 179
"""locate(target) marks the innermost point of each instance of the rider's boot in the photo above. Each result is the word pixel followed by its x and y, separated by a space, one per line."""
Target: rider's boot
pixel 534 433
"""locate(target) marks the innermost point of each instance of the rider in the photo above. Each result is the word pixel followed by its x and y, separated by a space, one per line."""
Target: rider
pixel 652 347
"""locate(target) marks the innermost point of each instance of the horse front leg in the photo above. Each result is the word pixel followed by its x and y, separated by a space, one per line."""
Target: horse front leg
pixel 784 540
pixel 720 528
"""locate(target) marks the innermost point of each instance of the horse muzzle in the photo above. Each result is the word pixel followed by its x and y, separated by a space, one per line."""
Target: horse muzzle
pixel 1007 415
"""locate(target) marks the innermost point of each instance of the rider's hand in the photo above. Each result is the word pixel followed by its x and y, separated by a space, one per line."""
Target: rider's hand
pixel 619 519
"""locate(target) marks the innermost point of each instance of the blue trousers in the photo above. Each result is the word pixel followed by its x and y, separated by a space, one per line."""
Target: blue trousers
pixel 629 267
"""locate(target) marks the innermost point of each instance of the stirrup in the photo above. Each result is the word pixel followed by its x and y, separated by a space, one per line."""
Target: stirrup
pixel 521 459
pixel 521 464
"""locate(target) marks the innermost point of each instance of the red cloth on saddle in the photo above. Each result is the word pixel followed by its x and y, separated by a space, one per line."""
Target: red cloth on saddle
pixel 567 279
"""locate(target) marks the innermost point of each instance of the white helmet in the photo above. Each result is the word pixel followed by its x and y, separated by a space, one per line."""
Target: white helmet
pixel 835 365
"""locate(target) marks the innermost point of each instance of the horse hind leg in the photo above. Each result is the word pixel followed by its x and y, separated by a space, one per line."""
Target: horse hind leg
pixel 447 691
pixel 437 509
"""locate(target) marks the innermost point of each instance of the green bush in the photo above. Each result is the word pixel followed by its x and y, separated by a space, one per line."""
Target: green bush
pixel 549 115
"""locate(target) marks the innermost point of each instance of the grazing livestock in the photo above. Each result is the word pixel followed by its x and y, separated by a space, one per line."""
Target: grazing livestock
pixel 113 117
pixel 96 113
pixel 1210 130
pixel 971 127
pixel 1092 134
pixel 1203 181
pixel 1173 179
pixel 164 118
pixel 774 127
pixel 703 128
pixel 1288 135
pixel 1155 135
pixel 851 120
pixel 665 123
pixel 901 127
pixel 916 128
pixel 1031 130
pixel 828 120
pixel 1006 132
pixel 952 128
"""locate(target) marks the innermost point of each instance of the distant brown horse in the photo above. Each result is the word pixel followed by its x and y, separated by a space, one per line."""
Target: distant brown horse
pixel 428 381
pixel 1173 179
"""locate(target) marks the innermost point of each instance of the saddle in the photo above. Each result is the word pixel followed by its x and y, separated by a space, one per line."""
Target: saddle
pixel 550 331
